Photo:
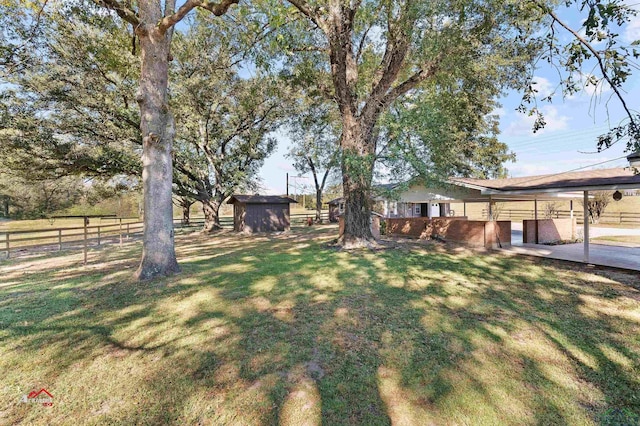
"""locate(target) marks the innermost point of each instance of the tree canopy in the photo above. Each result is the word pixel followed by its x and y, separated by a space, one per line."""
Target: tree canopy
pixel 224 121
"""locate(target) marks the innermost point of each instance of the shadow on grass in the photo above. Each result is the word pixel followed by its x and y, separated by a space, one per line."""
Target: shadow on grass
pixel 267 330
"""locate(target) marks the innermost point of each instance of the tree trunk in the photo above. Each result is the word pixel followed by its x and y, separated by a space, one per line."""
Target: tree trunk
pixel 357 172
pixel 5 206
pixel 211 209
pixel 186 213
pixel 319 205
pixel 156 124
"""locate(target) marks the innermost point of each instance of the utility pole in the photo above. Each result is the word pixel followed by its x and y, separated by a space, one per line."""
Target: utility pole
pixel 287 184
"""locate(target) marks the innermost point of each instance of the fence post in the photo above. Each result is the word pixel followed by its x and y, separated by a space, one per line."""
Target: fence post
pixel 86 222
pixel 98 234
pixel 127 231
pixel 6 242
pixel 59 239
pixel 120 232
pixel 620 218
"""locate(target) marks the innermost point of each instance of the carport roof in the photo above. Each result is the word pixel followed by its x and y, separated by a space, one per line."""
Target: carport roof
pixel 590 180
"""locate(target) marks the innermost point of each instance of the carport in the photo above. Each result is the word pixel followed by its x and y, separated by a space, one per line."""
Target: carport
pixel 456 228
pixel 541 187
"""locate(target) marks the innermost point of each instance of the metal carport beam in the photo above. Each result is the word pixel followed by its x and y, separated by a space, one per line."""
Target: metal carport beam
pixel 585 228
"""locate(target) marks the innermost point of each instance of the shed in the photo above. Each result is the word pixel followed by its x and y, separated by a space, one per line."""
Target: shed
pixel 260 213
pixel 336 208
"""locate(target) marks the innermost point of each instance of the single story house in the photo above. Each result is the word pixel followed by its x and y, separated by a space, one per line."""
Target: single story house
pixel 415 201
pixel 261 213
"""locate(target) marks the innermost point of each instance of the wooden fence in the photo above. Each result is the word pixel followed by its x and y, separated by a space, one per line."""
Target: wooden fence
pixel 619 218
pixel 82 236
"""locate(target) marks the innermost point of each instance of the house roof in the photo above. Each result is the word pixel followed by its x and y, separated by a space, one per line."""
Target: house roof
pixel 260 199
pixel 603 179
pixel 336 201
pixel 387 186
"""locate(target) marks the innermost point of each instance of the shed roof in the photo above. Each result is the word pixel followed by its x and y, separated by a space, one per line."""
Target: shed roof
pixel 336 201
pixel 260 199
pixel 602 179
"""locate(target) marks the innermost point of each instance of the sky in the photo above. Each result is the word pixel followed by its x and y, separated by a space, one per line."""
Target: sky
pixel 567 142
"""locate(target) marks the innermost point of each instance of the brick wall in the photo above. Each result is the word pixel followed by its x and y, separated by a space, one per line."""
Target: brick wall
pixel 549 230
pixel 407 226
pixel 476 233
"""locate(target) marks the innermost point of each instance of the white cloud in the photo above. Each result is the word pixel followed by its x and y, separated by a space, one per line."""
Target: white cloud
pixel 543 86
pixel 632 28
pixel 523 125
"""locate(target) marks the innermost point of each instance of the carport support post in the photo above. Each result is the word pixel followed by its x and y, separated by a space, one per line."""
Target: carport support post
pixel 492 205
pixel 585 228
pixel 464 208
pixel 535 218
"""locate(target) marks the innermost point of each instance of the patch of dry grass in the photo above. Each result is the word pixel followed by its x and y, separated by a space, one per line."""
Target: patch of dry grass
pixel 626 240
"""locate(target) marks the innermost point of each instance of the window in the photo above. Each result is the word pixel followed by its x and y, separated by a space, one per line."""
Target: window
pixel 341 207
pixel 416 209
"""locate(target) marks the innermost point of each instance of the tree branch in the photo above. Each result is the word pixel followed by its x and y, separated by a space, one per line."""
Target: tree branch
pixel 217 9
pixel 598 57
pixel 122 11
pixel 304 8
pixel 410 83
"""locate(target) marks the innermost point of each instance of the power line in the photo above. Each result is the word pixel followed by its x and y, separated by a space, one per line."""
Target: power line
pixel 539 140
pixel 573 170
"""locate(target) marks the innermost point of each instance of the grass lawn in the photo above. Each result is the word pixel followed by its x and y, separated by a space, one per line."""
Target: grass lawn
pixel 628 240
pixel 287 330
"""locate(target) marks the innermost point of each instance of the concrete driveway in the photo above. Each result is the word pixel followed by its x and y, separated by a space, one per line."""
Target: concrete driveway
pixel 603 255
pixel 612 256
pixel 594 232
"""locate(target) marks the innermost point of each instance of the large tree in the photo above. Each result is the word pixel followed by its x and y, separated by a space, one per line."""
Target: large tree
pixel 80 116
pixel 367 55
pixel 225 121
pixel 153 24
